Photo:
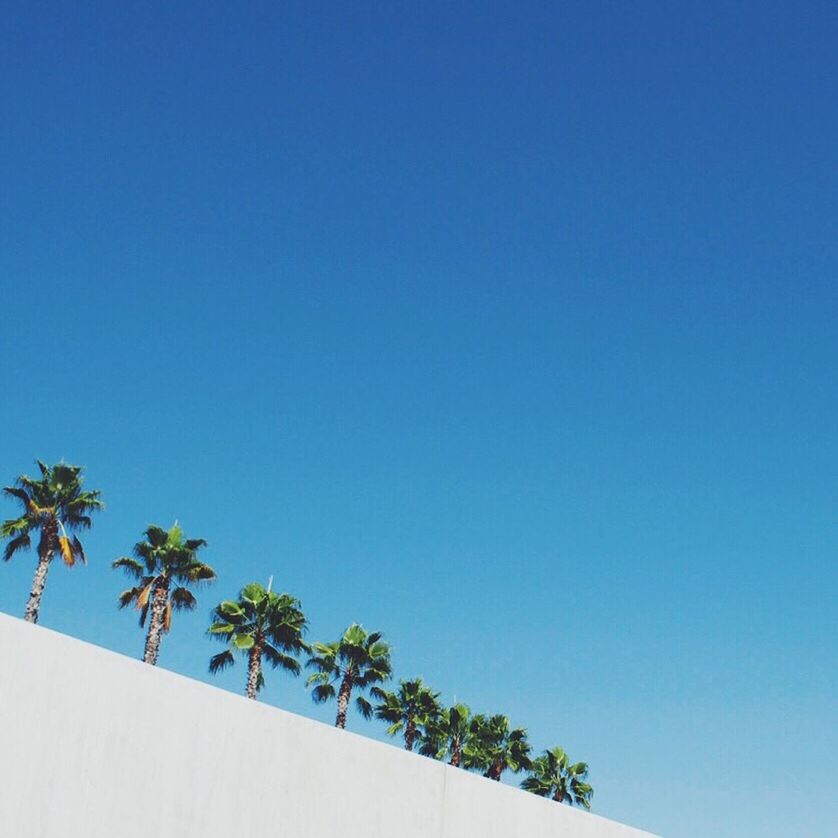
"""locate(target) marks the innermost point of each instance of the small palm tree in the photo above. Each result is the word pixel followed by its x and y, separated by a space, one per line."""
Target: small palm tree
pixel 411 708
pixel 164 565
pixel 358 661
pixel 54 505
pixel 260 624
pixel 552 775
pixel 493 747
pixel 446 736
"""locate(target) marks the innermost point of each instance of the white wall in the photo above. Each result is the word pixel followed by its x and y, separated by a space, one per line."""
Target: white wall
pixel 95 745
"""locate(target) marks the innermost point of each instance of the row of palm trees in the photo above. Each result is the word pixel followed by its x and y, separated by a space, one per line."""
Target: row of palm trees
pixel 267 627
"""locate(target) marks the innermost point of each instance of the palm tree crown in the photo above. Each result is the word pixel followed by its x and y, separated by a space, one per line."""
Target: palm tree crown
pixel 411 708
pixel 553 775
pixel 165 564
pixel 359 660
pixel 446 736
pixel 55 504
pixel 493 747
pixel 260 624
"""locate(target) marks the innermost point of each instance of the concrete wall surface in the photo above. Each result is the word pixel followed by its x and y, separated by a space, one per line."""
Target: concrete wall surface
pixel 96 745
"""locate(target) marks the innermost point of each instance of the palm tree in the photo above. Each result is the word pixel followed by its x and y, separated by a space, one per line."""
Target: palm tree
pixel 165 564
pixel 553 776
pixel 260 624
pixel 359 660
pixel 493 747
pixel 54 505
pixel 445 737
pixel 411 708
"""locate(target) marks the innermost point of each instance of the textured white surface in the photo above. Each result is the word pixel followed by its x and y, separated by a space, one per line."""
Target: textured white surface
pixel 96 745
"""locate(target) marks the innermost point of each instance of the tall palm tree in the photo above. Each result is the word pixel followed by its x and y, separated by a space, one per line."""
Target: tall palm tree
pixel 411 708
pixel 260 624
pixel 446 736
pixel 493 747
pixel 54 505
pixel 165 564
pixel 552 775
pixel 358 661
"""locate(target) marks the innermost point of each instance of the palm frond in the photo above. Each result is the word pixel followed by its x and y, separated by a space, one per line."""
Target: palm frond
pixel 279 660
pixel 61 474
pixel 230 612
pixel 321 678
pixel 156 536
pixel 194 572
pixel 90 498
pixel 131 566
pixel 20 494
pixel 221 630
pixel 76 510
pixel 183 599
pixel 221 661
pixel 253 593
pixel 20 542
pixel 79 550
pixel 194 544
pixel 82 522
pixel 323 693
pixel 326 651
pixel 31 486
pixel 389 709
pixel 65 547
pixel 15 526
pixel 354 636
pixel 364 707
pixel 149 555
pixel 243 641
pixel 535 785
pixel 144 595
pixel 127 597
pixel 373 675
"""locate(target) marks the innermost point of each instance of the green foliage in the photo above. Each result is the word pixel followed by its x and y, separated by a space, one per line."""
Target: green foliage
pixel 413 708
pixel 445 736
pixel 54 505
pixel 494 747
pixel 552 775
pixel 163 558
pixel 260 618
pixel 358 660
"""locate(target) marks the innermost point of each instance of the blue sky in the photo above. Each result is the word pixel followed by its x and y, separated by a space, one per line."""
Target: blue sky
pixel 507 329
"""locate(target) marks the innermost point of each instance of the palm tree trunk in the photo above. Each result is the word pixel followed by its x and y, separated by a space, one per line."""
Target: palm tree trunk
pixel 456 755
pixel 495 771
pixel 38 585
pixel 155 626
pixel 344 695
pixel 409 735
pixel 254 670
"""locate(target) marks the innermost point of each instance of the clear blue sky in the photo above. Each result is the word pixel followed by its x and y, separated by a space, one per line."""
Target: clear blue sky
pixel 508 329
